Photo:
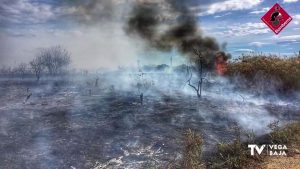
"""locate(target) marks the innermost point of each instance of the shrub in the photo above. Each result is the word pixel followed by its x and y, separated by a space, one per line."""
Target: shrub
pixel 284 70
pixel 289 134
pixel 192 152
pixel 231 155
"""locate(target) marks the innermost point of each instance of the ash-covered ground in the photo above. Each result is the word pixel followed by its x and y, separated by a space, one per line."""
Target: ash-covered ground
pixel 81 122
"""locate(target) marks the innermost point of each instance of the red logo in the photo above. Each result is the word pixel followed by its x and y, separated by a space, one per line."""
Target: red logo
pixel 277 18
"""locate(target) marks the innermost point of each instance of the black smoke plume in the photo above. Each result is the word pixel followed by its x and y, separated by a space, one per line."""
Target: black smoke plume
pixel 148 21
pixel 144 21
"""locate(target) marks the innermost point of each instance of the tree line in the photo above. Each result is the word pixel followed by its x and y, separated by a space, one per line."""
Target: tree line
pixel 52 61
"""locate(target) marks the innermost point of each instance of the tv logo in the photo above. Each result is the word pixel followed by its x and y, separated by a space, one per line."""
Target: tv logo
pixel 257 148
pixel 271 150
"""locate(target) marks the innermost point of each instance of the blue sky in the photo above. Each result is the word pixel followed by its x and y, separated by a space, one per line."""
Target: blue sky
pixel 29 25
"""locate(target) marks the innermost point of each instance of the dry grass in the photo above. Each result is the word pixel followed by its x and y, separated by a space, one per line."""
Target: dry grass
pixel 284 70
pixel 288 135
pixel 192 151
pixel 235 155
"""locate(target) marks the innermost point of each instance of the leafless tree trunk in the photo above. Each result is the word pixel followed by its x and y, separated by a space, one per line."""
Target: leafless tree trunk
pixel 198 87
pixel 37 67
pixel 96 82
pixel 21 69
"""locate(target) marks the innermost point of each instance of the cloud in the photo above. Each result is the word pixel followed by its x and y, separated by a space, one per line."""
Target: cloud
pixel 289 1
pixel 220 16
pixel 296 19
pixel 258 44
pixel 25 11
pixel 231 5
pixel 263 10
pixel 37 12
pixel 244 29
pixel 243 50
pixel 290 39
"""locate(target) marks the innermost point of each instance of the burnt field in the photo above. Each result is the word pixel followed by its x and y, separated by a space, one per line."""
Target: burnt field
pixel 102 121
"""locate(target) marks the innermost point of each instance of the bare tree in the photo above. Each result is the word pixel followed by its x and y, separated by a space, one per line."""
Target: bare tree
pixel 201 60
pixel 37 66
pixel 55 59
pixel 21 69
